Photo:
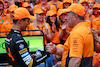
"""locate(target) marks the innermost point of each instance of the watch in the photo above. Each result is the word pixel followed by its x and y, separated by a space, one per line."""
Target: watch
pixel 53 31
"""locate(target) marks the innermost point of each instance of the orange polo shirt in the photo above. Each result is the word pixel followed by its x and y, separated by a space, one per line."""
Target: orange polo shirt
pixel 79 43
pixel 52 7
pixel 32 27
pixel 6 26
pixel 56 37
pixel 96 57
pixel 59 4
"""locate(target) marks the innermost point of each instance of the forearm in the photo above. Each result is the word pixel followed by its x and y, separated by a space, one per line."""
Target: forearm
pixel 74 62
pixel 97 47
pixel 61 34
pixel 59 51
pixel 96 37
pixel 49 36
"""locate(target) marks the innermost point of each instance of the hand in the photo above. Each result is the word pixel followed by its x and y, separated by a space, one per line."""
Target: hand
pixel 64 26
pixel 45 31
pixel 33 55
pixel 58 64
pixel 67 32
pixel 93 31
pixel 51 48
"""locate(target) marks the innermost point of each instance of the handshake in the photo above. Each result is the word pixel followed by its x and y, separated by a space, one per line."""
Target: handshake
pixel 51 48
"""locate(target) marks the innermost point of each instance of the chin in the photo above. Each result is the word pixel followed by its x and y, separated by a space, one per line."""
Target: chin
pixel 23 29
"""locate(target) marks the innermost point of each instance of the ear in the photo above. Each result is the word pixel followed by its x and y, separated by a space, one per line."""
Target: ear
pixel 75 17
pixel 19 21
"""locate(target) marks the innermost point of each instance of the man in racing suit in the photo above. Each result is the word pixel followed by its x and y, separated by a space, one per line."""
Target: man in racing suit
pixel 15 45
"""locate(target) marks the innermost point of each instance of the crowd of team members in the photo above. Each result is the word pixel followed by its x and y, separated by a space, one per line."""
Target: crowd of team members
pixel 50 18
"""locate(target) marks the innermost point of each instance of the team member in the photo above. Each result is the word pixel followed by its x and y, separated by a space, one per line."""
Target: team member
pixel 16 47
pixel 96 37
pixel 64 30
pixel 41 24
pixel 80 41
pixel 52 20
pixel 7 25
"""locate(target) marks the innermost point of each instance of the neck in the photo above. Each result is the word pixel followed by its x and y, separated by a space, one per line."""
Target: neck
pixel 39 22
pixel 78 22
pixel 16 27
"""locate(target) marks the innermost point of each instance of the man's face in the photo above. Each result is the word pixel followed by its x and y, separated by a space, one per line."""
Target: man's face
pixel 70 20
pixel 85 5
pixel 24 24
pixel 40 17
pixel 1 6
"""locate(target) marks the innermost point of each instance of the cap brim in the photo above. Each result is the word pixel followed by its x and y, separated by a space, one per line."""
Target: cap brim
pixel 66 10
pixel 32 17
pixel 99 10
pixel 26 6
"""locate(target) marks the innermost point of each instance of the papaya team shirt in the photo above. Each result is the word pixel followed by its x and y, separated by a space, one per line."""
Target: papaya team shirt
pixel 79 44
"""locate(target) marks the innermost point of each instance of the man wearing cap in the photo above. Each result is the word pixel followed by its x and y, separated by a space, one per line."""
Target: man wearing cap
pixel 15 45
pixel 80 41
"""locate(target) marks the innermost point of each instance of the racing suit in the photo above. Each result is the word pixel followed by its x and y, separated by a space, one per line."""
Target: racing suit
pixel 17 51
